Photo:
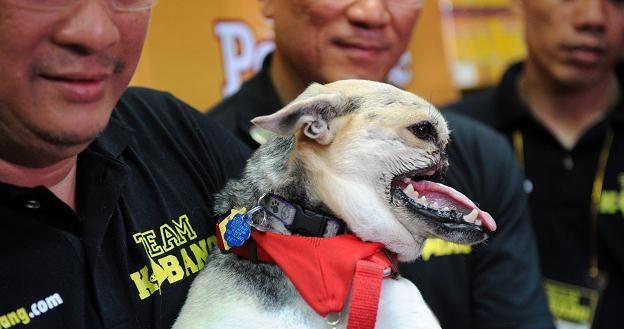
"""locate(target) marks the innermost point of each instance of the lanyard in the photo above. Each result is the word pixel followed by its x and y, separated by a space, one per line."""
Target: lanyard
pixel 518 144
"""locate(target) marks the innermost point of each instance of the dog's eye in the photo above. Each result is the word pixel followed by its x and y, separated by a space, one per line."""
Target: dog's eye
pixel 423 130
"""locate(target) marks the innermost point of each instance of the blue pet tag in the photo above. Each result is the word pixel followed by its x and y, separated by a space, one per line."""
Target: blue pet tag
pixel 237 231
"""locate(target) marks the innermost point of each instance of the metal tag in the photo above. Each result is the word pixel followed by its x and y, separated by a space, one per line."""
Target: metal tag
pixel 237 230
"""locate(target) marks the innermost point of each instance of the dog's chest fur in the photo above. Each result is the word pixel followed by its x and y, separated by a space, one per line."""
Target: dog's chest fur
pixel 235 293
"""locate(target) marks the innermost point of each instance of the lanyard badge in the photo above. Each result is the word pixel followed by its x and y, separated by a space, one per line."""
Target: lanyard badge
pixel 572 306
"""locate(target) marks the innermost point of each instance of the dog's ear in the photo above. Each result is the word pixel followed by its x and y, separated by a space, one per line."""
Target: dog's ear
pixel 311 112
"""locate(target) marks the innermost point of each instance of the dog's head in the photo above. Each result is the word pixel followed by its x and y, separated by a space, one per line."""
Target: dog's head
pixel 371 153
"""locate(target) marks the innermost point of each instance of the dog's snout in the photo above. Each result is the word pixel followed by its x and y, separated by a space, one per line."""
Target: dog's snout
pixel 443 164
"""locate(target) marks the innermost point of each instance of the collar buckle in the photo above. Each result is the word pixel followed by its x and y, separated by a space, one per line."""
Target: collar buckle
pixel 310 223
pixel 299 220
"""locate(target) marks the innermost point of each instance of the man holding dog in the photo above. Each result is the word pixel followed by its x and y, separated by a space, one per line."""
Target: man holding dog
pixel 497 284
pixel 562 111
pixel 105 192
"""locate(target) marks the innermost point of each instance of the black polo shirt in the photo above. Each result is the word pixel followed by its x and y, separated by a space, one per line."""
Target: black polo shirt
pixel 493 285
pixel 142 230
pixel 562 182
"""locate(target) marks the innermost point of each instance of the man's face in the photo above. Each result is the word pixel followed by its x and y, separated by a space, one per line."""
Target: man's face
pixel 574 42
pixel 328 40
pixel 62 73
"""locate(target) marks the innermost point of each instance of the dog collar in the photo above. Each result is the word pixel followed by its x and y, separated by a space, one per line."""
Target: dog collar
pixel 301 221
pixel 322 269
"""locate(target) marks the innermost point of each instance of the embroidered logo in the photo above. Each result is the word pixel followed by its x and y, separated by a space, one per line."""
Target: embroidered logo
pixel 174 253
pixel 612 201
pixel 437 247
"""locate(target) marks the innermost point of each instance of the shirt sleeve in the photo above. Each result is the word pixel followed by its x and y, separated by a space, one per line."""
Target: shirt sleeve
pixel 212 154
pixel 224 155
pixel 232 152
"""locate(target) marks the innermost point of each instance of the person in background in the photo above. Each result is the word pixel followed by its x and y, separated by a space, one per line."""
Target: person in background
pixel 494 285
pixel 105 192
pixel 561 109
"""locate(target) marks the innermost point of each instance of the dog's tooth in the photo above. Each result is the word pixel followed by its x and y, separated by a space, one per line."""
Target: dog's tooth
pixel 423 201
pixel 446 209
pixel 435 205
pixel 470 218
pixel 478 222
pixel 414 195
pixel 408 190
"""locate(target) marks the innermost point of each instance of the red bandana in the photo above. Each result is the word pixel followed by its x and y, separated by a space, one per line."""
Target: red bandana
pixel 321 269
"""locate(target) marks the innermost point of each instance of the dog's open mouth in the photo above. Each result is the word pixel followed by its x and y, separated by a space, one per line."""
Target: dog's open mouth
pixel 420 192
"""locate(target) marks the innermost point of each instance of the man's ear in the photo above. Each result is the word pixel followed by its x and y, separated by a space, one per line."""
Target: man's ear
pixel 267 8
pixel 310 114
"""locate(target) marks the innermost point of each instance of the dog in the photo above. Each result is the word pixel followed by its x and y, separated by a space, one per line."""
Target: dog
pixel 356 156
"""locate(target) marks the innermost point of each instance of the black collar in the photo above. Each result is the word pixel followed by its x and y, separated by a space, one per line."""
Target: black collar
pixel 299 220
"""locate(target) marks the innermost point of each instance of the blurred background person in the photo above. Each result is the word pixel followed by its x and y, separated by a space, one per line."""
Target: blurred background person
pixel 562 111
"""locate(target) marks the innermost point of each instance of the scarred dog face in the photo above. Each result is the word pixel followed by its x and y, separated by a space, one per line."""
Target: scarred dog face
pixel 370 154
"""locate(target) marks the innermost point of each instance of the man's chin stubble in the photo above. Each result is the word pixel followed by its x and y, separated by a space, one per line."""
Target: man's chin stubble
pixel 65 140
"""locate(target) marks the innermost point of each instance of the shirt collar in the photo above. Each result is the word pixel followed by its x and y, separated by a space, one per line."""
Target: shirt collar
pixel 617 115
pixel 111 141
pixel 114 139
pixel 512 111
pixel 260 91
pixel 266 85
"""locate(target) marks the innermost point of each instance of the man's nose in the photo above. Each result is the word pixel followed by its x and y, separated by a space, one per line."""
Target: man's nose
pixel 88 28
pixel 369 13
pixel 591 15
